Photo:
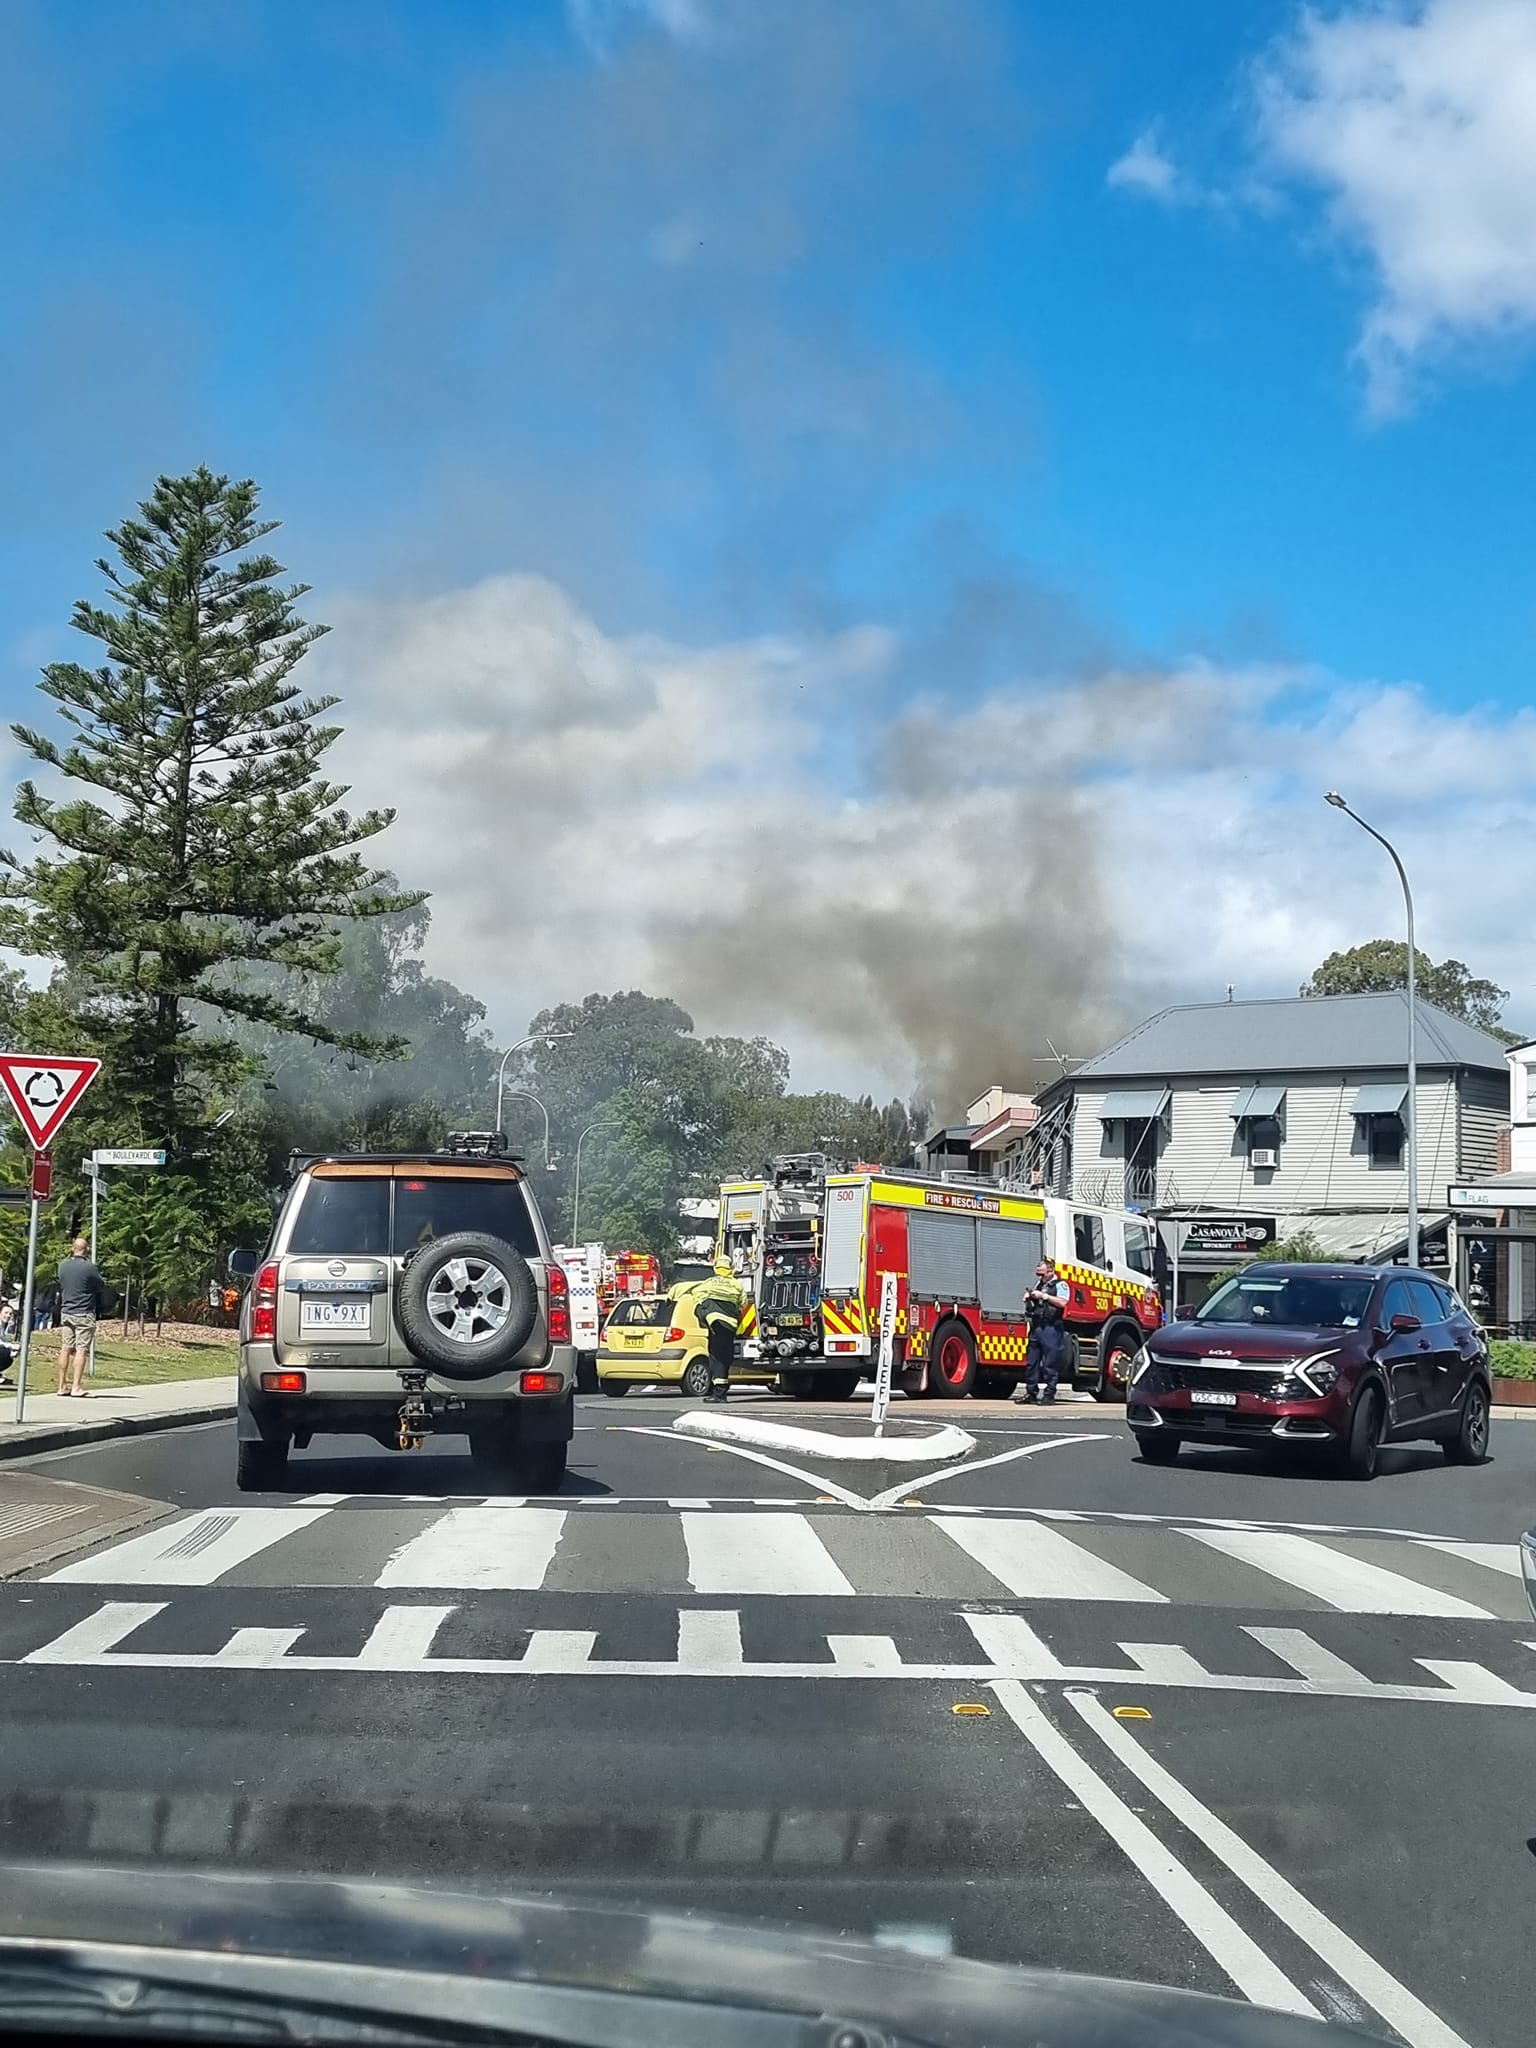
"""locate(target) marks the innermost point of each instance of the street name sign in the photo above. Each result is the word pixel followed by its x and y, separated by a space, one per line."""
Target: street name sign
pixel 128 1155
pixel 43 1089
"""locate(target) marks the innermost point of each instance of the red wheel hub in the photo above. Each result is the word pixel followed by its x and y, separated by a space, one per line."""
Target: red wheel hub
pixel 952 1360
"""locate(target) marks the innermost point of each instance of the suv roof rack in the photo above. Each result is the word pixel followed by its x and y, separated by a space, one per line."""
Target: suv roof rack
pixel 499 1156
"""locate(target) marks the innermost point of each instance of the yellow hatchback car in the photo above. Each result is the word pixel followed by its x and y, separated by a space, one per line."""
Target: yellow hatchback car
pixel 651 1339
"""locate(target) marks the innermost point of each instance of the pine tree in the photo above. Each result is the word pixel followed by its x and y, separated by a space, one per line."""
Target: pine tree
pixel 201 843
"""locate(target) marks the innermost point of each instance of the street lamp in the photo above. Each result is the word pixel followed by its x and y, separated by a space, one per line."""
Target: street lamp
pixel 549 1164
pixel 533 1037
pixel 600 1125
pixel 1339 804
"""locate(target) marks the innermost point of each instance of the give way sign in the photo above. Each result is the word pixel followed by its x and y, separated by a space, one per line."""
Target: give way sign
pixel 44 1087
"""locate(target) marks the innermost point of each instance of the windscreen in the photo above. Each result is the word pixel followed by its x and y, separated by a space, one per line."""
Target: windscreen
pixel 437 1207
pixel 344 1218
pixel 1301 1301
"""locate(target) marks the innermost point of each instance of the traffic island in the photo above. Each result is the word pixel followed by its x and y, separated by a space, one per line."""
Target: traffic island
pixel 885 1461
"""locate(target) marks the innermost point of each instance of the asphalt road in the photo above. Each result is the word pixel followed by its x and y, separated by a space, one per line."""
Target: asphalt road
pixel 729 1684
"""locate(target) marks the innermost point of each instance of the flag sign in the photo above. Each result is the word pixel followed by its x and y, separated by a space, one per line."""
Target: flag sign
pixel 44 1088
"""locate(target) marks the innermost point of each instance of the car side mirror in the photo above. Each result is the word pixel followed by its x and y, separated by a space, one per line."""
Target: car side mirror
pixel 242 1265
pixel 1401 1325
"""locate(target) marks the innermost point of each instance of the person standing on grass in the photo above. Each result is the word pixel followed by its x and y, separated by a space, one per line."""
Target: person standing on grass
pixel 81 1291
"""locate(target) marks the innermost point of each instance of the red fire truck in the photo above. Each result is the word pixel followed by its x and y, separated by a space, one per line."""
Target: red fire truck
pixel 964 1257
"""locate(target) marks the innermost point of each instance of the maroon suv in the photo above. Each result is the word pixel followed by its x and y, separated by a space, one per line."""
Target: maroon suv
pixel 1345 1358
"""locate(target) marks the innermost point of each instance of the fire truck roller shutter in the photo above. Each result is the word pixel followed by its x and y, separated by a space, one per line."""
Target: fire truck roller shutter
pixel 1007 1256
pixel 941 1252
pixel 840 1244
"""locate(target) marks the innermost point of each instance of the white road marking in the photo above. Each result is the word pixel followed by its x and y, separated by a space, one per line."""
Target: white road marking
pixel 1030 1559
pixel 893 1494
pixel 1471 1681
pixel 1393 2001
pixel 558 1649
pixel 258 1647
pixel 98 1633
pixel 810 1479
pixel 709 1645
pixel 1347 1583
pixel 758 1554
pixel 865 1653
pixel 402 1637
pixel 709 1640
pixel 195 1550
pixel 1232 1950
pixel 1012 1644
pixel 1295 1647
pixel 1167 1661
pixel 1494 1557
pixel 479 1548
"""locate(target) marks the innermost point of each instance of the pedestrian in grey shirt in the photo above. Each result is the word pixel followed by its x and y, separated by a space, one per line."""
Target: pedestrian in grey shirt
pixel 81 1289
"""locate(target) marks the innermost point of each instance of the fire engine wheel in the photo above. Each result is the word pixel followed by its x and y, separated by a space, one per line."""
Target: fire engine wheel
pixel 1117 1347
pixel 800 1386
pixel 952 1371
pixel 836 1386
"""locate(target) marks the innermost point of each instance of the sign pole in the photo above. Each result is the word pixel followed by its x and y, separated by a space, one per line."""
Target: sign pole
pixel 887 1350
pixel 95 1213
pixel 26 1311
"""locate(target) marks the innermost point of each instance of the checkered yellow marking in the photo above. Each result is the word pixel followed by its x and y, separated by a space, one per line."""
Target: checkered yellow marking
pixel 1001 1350
pixel 1103 1287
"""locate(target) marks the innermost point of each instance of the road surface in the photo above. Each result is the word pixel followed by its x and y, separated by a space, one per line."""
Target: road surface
pixel 1214 1725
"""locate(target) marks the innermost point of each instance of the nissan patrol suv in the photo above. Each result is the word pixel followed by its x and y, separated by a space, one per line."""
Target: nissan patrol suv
pixel 402 1295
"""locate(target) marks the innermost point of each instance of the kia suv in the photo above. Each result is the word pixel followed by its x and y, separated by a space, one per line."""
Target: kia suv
pixel 1336 1359
pixel 405 1295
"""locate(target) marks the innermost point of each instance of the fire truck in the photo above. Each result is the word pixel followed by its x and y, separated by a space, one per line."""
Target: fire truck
pixel 770 1230
pixel 964 1256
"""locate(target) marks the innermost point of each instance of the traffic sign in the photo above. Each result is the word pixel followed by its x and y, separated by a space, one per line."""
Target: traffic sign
pixel 44 1088
pixel 127 1155
pixel 42 1176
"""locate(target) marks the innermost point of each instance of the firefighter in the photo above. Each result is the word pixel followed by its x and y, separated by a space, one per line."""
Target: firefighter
pixel 1046 1304
pixel 720 1302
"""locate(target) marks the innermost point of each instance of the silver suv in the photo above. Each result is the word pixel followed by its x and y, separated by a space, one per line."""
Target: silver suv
pixel 402 1295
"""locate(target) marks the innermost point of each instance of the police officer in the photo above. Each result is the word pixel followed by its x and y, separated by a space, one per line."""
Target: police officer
pixel 1046 1303
pixel 720 1302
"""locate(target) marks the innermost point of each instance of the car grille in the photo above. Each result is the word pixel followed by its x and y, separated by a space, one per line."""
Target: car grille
pixel 1229 1379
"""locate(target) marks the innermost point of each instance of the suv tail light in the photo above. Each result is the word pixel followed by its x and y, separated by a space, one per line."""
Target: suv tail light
pixel 559 1305
pixel 264 1305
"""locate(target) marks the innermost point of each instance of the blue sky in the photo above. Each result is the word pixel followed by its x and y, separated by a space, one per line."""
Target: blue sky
pixel 750 327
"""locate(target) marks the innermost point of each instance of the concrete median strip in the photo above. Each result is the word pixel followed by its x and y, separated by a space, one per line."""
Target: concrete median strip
pixel 116 1411
pixel 935 1447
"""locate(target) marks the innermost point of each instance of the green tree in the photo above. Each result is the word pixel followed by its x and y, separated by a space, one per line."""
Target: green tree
pixel 1383 964
pixel 199 838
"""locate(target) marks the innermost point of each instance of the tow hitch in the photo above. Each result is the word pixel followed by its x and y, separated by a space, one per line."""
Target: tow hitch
pixel 415 1416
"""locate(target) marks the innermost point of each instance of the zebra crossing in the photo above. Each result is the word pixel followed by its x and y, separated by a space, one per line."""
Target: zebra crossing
pixel 796 1551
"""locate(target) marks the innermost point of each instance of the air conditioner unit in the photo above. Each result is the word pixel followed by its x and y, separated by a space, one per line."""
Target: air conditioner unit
pixel 1263 1155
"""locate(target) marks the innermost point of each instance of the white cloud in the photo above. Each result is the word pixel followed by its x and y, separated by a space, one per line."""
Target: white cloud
pixel 1146 167
pixel 1419 123
pixel 597 21
pixel 593 813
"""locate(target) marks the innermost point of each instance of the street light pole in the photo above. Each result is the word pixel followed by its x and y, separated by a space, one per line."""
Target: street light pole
pixel 527 1096
pixel 600 1125
pixel 1339 804
pixel 533 1037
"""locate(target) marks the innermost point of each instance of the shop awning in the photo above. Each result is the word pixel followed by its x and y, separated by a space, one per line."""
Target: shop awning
pixel 1380 1098
pixel 1134 1103
pixel 1259 1100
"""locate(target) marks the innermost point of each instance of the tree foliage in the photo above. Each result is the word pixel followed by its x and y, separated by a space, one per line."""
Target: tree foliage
pixel 669 1114
pixel 1382 964
pixel 197 835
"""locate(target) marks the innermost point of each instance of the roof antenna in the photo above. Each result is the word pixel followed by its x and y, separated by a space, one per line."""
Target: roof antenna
pixel 1231 990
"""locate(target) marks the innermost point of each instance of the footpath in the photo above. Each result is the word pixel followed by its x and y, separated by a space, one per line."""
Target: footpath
pixel 54 1422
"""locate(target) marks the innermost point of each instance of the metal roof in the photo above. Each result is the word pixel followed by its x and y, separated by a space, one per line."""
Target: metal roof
pixel 1291 1034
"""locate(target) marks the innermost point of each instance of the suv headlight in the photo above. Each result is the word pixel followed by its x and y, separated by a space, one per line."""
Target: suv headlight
pixel 1139 1365
pixel 1308 1379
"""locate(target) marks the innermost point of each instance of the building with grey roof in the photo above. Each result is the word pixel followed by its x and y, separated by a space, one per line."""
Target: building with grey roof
pixel 1289 1110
